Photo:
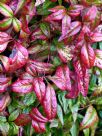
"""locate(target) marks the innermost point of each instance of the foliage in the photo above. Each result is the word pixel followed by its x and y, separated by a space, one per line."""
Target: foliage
pixel 51 67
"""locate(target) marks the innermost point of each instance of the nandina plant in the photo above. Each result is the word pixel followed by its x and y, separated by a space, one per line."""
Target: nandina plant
pixel 50 67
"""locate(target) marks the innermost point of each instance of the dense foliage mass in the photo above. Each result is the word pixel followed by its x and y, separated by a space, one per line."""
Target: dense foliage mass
pixel 51 67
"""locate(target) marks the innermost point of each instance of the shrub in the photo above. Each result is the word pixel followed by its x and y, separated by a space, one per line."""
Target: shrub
pixel 50 67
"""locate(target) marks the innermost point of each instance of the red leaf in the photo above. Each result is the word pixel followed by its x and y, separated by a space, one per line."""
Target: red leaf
pixel 66 21
pixel 38 126
pixel 22 86
pixel 18 57
pixel 61 78
pixel 87 55
pixel 58 15
pixel 74 29
pixel 82 76
pixel 50 102
pixel 40 67
pixel 22 120
pixel 37 116
pixel 39 88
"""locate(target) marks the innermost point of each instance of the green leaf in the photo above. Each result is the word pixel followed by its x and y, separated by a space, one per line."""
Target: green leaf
pixel 75 129
pixel 16 24
pixel 100 45
pixel 54 123
pixel 2 119
pixel 45 29
pixel 4 127
pixel 6 10
pixel 5 24
pixel 13 129
pixel 60 2
pixel 74 110
pixel 63 101
pixel 86 132
pixel 90 118
pixel 29 99
pixel 60 114
pixel 13 115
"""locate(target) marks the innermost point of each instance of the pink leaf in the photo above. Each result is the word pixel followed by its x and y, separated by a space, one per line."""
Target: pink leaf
pixel 39 88
pixel 87 55
pixel 38 126
pixel 22 86
pixel 50 102
pixel 61 78
pixel 37 116
pixel 66 21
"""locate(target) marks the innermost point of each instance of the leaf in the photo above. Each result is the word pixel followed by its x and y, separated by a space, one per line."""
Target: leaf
pixel 98 59
pixel 38 126
pixel 90 118
pixel 66 21
pixel 5 10
pixel 29 98
pixel 58 15
pixel 18 57
pixel 87 55
pixel 37 116
pixel 4 127
pixel 63 101
pixel 22 86
pixel 86 132
pixel 20 5
pixel 16 24
pixel 75 10
pixel 61 78
pixel 82 77
pixel 60 114
pixel 3 119
pixel 4 83
pixel 13 115
pixel 5 23
pixel 54 123
pixel 96 37
pixel 50 102
pixel 5 63
pixel 74 29
pixel 22 120
pixel 39 88
pixel 92 16
pixel 40 67
pixel 75 129
pixel 45 29
pixel 13 129
pixel 39 2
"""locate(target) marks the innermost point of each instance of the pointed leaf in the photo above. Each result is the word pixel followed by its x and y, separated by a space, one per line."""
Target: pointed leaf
pixel 16 24
pixel 5 23
pixel 50 102
pixel 39 88
pixel 38 126
pixel 87 55
pixel 90 118
pixel 22 86
pixel 37 116
pixel 5 10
